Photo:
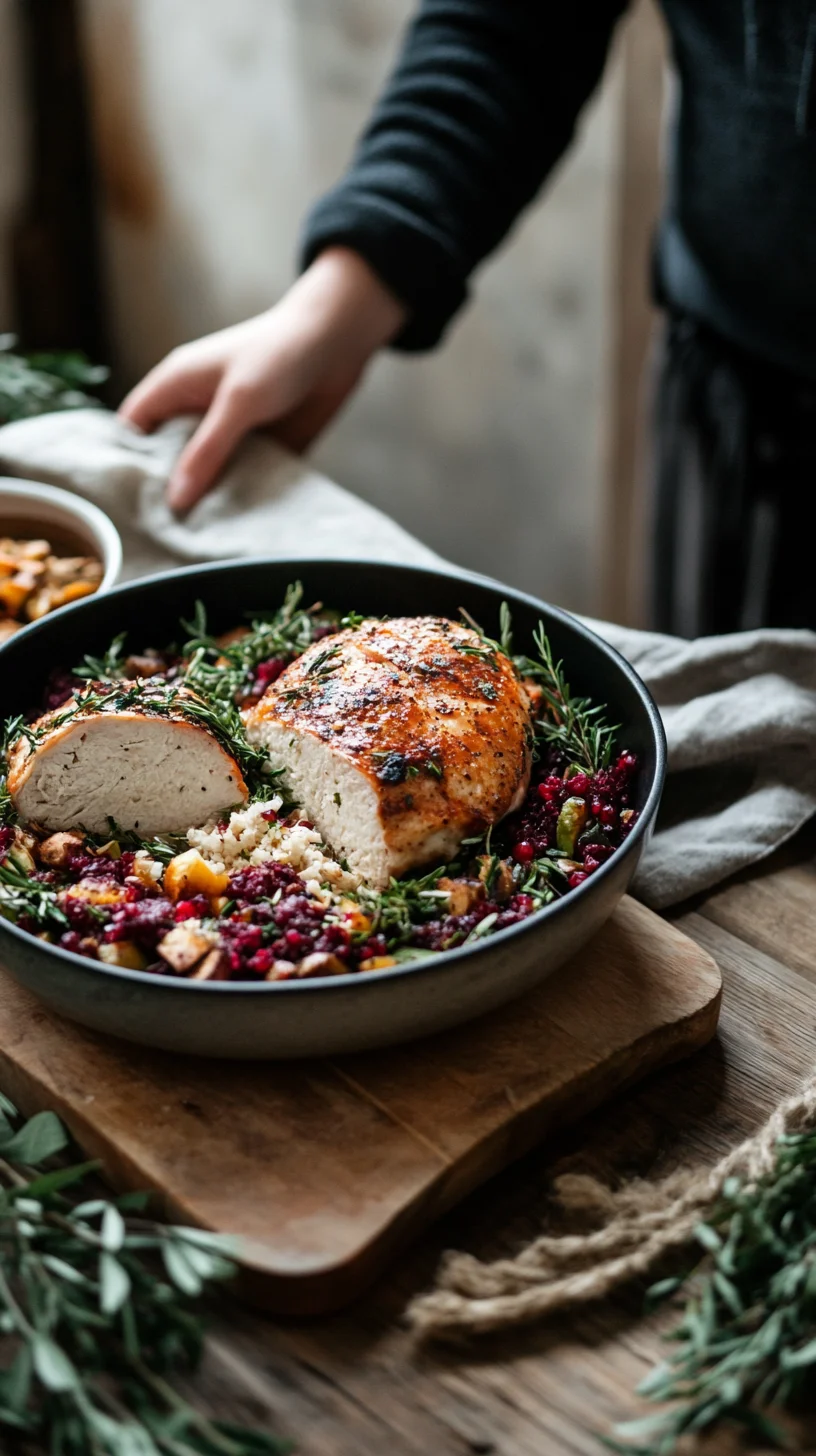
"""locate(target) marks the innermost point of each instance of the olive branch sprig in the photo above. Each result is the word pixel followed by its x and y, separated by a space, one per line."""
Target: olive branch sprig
pixel 96 1310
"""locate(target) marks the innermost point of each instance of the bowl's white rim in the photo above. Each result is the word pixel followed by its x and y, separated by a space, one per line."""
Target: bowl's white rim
pixel 99 525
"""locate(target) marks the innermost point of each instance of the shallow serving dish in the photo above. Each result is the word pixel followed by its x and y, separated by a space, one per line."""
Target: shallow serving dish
pixel 351 1012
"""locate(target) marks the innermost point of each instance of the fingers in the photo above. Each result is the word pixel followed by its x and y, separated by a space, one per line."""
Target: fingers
pixel 299 429
pixel 176 386
pixel 235 410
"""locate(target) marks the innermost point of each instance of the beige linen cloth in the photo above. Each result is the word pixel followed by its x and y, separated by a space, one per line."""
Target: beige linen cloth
pixel 739 711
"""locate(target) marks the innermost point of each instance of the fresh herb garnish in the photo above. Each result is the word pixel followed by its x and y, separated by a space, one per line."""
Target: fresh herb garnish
pixel 95 1299
pixel 746 1344
pixel 22 896
pixel 226 670
pixel 575 725
pixel 107 668
pixel 396 911
pixel 37 384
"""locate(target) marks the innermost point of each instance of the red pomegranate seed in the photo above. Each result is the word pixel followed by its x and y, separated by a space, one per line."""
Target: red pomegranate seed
pixel 578 784
pixel 270 815
pixel 577 878
pixel 524 852
pixel 185 910
pixel 607 815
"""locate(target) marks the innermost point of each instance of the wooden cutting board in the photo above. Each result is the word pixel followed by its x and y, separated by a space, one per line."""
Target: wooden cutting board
pixel 324 1169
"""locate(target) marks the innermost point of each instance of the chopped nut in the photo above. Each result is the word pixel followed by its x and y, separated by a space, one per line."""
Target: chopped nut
pixel 281 971
pixel 56 850
pixel 64 570
pixel 40 604
pixel 320 964
pixel 214 967
pixel 183 946
pixel 463 895
pixel 627 816
pixel 123 953
pixel 35 550
pixel 497 877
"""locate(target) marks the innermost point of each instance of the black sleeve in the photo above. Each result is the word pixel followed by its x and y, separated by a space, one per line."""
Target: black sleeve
pixel 482 103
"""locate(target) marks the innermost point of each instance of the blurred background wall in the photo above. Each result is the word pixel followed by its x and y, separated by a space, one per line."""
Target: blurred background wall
pixel 214 127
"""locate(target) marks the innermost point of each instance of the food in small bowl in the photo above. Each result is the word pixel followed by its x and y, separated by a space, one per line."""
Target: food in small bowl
pixel 318 797
pixel 55 548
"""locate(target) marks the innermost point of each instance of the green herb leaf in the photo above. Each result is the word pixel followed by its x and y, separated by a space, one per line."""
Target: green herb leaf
pixel 40 1138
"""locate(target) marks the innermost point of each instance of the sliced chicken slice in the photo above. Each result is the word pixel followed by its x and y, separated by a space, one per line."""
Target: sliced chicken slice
pixel 399 739
pixel 149 772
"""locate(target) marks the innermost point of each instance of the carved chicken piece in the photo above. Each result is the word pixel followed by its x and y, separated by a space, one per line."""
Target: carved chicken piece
pixel 399 739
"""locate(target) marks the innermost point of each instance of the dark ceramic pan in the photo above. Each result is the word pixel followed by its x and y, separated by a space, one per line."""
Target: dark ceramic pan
pixel 344 1013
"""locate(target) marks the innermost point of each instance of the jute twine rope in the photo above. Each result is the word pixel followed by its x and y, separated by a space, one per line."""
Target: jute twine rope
pixel 645 1222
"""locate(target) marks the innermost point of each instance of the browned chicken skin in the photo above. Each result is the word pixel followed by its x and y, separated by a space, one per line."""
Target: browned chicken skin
pixel 399 739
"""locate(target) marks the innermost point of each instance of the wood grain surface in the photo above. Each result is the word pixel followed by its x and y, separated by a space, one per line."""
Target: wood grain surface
pixel 323 1170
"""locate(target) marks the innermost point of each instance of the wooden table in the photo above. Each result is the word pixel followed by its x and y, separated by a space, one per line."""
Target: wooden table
pixel 355 1385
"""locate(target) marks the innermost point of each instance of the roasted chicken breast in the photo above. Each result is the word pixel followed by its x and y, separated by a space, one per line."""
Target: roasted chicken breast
pixel 399 738
pixel 151 773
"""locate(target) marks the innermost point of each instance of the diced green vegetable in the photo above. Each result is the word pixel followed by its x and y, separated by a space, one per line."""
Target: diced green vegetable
pixel 571 821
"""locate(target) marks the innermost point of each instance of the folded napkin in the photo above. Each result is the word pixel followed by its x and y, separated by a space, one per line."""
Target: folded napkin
pixel 740 711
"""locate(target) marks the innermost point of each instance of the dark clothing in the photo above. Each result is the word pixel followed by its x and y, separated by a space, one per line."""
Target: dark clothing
pixel 484 101
pixel 735 476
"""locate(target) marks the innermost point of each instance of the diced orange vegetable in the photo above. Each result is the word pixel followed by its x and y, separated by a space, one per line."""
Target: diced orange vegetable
pixel 123 953
pixel 95 894
pixel 73 591
pixel 13 594
pixel 354 920
pixel 189 874
pixel 377 963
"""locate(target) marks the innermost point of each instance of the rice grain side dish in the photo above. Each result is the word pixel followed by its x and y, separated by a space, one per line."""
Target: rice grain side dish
pixel 306 796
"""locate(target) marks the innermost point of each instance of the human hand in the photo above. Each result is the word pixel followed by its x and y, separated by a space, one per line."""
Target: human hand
pixel 291 367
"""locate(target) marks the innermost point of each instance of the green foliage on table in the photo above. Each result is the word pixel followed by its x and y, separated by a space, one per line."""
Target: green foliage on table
pixel 745 1349
pixel 96 1312
pixel 36 384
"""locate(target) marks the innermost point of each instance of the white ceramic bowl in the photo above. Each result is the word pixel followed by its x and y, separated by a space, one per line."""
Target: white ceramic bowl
pixel 45 510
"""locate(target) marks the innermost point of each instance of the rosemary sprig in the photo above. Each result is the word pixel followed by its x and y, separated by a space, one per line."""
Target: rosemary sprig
pixel 746 1344
pixel 95 1306
pixel 107 668
pixel 396 911
pixel 227 671
pixel 575 725
pixel 22 896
